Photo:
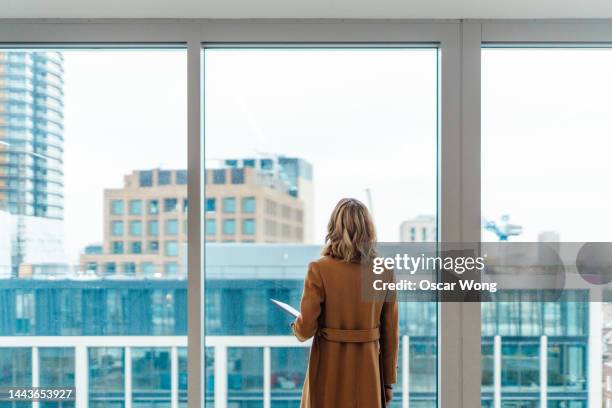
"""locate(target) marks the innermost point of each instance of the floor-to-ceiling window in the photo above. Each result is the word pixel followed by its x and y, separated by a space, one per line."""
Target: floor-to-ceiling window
pixel 289 132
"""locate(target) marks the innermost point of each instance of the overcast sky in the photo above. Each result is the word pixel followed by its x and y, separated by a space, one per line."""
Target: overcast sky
pixel 363 118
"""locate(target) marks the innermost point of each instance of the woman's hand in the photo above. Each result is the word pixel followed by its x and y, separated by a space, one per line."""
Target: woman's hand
pixel 388 394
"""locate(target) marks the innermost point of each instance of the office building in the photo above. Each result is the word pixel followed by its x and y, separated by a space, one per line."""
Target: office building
pixel 296 173
pixel 145 221
pixel 31 158
pixel 420 229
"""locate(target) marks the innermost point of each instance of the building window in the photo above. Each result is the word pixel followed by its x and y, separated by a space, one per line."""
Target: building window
pixel 136 247
pixel 117 247
pixel 271 228
pixel 153 247
pixel 171 268
pixel 248 227
pixel 248 205
pixel 164 177
pixel 110 268
pixel 117 207
pixel 170 204
pixel 286 212
pixel 185 205
pixel 129 268
pixel 229 226
pixel 211 204
pixel 218 176
pixel 171 227
pixel 153 228
pixel 271 207
pixel 237 176
pixel 136 228
pixel 181 177
pixel 248 163
pixel 170 248
pixel 211 226
pixel 117 228
pixel 267 164
pixel 153 206
pixel 145 178
pixel 135 207
pixel 229 205
pixel 147 268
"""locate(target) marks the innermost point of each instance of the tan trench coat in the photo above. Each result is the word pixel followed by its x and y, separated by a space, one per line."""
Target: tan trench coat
pixel 355 342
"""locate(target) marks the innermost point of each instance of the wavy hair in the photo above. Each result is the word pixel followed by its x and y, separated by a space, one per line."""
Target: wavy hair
pixel 351 236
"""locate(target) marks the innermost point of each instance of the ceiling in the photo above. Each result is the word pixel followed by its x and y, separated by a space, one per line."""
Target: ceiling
pixel 428 9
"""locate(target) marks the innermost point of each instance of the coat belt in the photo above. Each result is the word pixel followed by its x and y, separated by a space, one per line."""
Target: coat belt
pixel 349 336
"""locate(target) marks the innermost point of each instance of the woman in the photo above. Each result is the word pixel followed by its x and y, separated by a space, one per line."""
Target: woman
pixel 354 352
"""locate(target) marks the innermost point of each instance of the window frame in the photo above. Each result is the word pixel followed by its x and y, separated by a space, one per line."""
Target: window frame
pixel 459 43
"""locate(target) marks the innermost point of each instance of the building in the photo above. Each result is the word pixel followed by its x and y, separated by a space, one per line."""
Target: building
pixel 95 334
pixel 145 226
pixel 296 172
pixel 145 221
pixel 31 156
pixel 420 229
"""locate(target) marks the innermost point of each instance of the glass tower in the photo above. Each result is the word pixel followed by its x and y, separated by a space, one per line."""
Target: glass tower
pixel 31 133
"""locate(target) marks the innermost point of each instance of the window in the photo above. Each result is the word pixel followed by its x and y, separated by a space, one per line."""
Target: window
pixel 237 176
pixel 86 287
pixel 181 177
pixel 135 207
pixel 248 205
pixel 110 268
pixel 218 176
pixel 147 268
pixel 229 227
pixel 117 247
pixel 153 228
pixel 136 247
pixel 117 228
pixel 145 178
pixel 544 151
pixel 170 205
pixel 229 205
pixel 170 268
pixel 117 207
pixel 172 227
pixel 164 177
pixel 129 268
pixel 185 205
pixel 170 248
pixel 248 227
pixel 211 226
pixel 337 89
pixel 153 247
pixel 153 207
pixel 211 205
pixel 135 228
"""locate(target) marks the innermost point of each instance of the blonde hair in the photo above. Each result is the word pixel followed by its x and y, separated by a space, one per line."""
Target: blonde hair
pixel 351 236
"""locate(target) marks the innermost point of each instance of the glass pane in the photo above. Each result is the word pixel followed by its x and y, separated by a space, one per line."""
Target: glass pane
pixel 289 132
pixel 93 157
pixel 545 121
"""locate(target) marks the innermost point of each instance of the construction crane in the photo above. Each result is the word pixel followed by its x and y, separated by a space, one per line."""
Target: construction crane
pixel 504 229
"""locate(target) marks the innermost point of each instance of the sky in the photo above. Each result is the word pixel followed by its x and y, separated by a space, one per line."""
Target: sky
pixel 365 119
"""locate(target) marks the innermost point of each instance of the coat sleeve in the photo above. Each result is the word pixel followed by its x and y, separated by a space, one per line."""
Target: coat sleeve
pixel 306 324
pixel 389 337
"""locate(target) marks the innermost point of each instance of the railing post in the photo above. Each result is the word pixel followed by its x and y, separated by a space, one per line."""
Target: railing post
pixel 497 369
pixel 174 375
pixel 220 376
pixel 35 372
pixel 543 371
pixel 267 380
pixel 81 376
pixel 128 377
pixel 405 371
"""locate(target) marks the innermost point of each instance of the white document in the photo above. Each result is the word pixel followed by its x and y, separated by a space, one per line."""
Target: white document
pixel 287 308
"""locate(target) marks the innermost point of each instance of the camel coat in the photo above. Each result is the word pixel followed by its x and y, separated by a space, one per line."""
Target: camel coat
pixel 355 342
